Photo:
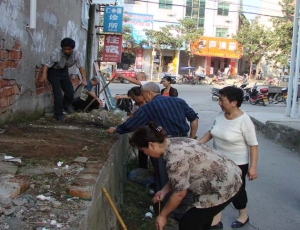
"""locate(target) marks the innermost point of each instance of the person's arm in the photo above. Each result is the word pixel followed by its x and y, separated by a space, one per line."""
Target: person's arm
pixel 171 205
pixel 252 171
pixel 139 119
pixel 44 74
pixel 93 95
pixel 130 79
pixel 82 72
pixel 194 128
pixel 175 92
pixel 205 138
pixel 160 195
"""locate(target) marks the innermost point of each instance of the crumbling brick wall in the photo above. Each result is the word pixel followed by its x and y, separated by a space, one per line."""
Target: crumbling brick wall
pixel 9 90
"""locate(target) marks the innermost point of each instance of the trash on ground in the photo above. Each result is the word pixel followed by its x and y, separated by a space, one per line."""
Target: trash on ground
pixel 59 164
pixel 151 209
pixel 148 215
pixel 12 159
pixel 151 191
pixel 42 197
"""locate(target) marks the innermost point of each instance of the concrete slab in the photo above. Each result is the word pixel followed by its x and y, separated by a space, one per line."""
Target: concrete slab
pixel 8 168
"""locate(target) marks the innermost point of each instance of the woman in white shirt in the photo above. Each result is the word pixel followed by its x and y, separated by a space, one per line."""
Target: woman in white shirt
pixel 233 134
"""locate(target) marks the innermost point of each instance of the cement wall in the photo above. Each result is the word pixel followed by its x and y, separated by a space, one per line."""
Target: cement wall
pixel 280 132
pixel 23 50
pixel 111 176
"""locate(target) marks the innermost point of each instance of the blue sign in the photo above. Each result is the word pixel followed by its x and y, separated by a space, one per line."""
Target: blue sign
pixel 113 19
pixel 139 22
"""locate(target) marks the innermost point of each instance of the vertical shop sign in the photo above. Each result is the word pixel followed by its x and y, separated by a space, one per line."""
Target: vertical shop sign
pixel 113 19
pixel 139 56
pixel 112 50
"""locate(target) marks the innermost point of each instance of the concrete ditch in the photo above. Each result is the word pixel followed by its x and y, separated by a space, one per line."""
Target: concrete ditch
pixel 99 215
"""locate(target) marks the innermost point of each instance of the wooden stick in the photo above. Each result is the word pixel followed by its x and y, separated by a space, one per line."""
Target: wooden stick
pixel 114 209
pixel 98 95
pixel 159 206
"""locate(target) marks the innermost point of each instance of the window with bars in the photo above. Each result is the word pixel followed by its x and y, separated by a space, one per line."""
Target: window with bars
pixel 165 4
pixel 196 9
pixel 221 32
pixel 223 9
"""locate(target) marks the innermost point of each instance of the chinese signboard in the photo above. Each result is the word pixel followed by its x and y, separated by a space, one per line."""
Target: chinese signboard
pixel 113 19
pixel 112 50
pixel 217 47
pixel 138 23
pixel 139 59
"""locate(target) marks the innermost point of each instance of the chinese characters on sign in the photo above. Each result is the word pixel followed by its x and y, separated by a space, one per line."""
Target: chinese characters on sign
pixel 112 50
pixel 217 47
pixel 139 22
pixel 113 19
pixel 139 59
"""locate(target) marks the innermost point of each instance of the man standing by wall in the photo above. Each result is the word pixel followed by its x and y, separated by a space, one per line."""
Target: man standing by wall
pixel 56 71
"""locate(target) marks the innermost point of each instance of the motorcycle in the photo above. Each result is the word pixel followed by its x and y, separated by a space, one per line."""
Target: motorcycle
pixel 258 97
pixel 168 75
pixel 215 94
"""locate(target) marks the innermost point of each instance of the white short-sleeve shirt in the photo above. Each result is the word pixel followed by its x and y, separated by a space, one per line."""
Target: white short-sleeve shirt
pixel 233 137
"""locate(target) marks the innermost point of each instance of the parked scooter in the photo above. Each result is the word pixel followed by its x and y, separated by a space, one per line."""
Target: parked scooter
pixel 168 75
pixel 215 94
pixel 258 97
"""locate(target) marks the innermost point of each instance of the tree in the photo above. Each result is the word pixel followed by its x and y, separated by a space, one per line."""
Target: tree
pixel 188 33
pixel 161 40
pixel 255 40
pixel 281 38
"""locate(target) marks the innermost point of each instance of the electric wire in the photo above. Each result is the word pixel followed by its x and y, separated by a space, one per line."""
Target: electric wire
pixel 207 8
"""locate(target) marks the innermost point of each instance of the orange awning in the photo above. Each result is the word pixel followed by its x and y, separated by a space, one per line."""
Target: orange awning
pixel 217 47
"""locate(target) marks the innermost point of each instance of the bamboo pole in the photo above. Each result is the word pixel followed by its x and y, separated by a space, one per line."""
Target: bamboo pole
pixel 114 209
pixel 98 95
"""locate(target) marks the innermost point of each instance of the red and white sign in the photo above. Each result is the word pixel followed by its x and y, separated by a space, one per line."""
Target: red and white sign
pixel 112 50
pixel 139 57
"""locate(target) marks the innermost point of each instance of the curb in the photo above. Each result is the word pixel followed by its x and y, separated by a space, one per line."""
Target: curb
pixel 279 133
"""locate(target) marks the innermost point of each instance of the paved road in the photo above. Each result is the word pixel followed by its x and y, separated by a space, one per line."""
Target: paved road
pixel 274 198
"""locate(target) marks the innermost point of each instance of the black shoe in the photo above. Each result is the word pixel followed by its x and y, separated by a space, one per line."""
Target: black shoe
pixel 69 110
pixel 238 224
pixel 217 226
pixel 60 118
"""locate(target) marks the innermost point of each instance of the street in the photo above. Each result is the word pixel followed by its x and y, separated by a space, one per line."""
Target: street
pixel 274 198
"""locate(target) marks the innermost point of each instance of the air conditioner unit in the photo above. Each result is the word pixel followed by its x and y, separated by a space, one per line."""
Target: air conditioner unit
pixel 171 14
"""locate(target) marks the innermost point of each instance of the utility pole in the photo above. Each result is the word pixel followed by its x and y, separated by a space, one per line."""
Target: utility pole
pixel 90 41
pixel 293 71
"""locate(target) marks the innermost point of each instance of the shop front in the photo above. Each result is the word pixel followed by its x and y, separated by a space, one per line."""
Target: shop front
pixel 219 53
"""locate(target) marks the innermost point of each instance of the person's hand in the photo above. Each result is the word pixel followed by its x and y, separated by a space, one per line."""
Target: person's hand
pixel 160 195
pixel 111 130
pixel 100 102
pixel 43 78
pixel 118 75
pixel 83 82
pixel 252 173
pixel 161 222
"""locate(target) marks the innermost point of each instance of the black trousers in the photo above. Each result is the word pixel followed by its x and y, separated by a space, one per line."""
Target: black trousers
pixel 240 202
pixel 80 104
pixel 60 81
pixel 201 218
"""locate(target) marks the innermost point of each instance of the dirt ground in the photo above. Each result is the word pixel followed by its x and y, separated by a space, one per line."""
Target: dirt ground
pixel 41 144
pixel 47 141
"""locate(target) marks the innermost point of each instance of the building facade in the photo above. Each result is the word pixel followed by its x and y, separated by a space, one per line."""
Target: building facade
pixel 217 18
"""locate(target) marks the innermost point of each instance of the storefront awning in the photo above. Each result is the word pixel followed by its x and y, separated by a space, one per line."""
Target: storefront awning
pixel 217 47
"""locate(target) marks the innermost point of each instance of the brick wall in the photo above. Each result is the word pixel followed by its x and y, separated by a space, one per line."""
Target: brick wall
pixel 9 90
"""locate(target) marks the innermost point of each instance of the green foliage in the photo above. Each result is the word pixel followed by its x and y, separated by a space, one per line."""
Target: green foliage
pixel 254 38
pixel 282 34
pixel 189 32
